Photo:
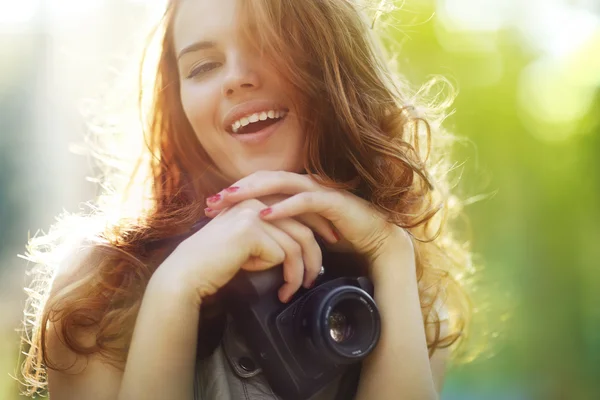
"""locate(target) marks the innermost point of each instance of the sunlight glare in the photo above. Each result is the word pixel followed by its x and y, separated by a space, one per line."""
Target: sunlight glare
pixel 483 15
pixel 552 103
pixel 559 29
pixel 15 13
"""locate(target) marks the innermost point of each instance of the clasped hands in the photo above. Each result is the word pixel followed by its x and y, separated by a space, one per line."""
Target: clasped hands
pixel 346 221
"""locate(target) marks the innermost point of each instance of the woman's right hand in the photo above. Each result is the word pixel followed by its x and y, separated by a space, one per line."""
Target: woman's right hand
pixel 237 239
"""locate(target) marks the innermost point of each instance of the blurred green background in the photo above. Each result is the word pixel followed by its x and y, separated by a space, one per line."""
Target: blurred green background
pixel 528 75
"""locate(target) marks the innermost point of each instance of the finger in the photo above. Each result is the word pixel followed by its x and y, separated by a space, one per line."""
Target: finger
pixel 311 252
pixel 329 205
pixel 293 263
pixel 320 225
pixel 265 254
pixel 316 222
pixel 263 183
pixel 211 213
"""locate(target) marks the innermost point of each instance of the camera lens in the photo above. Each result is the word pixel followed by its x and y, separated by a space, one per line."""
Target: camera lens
pixel 343 322
pixel 339 327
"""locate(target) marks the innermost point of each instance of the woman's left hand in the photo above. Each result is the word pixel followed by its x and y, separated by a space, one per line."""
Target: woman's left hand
pixel 356 220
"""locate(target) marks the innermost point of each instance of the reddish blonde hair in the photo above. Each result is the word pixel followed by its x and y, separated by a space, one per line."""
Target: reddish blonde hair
pixel 382 142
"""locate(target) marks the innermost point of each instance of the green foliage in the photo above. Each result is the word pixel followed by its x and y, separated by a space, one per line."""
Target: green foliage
pixel 531 125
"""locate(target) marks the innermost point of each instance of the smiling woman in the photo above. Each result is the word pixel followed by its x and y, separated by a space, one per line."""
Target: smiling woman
pixel 233 79
pixel 283 119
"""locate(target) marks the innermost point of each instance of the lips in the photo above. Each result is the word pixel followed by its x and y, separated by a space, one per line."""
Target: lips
pixel 261 136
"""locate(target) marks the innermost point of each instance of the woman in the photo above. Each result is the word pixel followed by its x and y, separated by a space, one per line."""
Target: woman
pixel 278 121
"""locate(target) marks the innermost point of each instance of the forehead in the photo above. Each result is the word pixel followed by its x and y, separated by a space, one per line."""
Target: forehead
pixel 203 20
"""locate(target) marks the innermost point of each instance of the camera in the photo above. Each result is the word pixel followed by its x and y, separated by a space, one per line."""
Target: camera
pixel 304 344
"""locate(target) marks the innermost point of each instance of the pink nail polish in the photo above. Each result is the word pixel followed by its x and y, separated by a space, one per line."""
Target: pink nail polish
pixel 337 237
pixel 232 189
pixel 208 209
pixel 215 198
pixel 266 212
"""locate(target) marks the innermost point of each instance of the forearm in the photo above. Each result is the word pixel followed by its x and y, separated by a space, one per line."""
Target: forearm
pixel 162 355
pixel 399 366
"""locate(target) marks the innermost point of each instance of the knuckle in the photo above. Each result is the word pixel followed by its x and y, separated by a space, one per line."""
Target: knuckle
pixel 248 208
pixel 242 228
pixel 246 221
pixel 337 196
pixel 251 203
pixel 295 249
pixel 262 174
pixel 250 186
pixel 247 215
pixel 305 234
pixel 281 175
pixel 309 198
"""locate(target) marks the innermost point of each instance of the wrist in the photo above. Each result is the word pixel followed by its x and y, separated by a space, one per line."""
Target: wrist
pixel 396 256
pixel 171 282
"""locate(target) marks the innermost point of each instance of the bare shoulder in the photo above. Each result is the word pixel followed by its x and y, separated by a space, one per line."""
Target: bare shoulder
pixel 77 260
pixel 76 376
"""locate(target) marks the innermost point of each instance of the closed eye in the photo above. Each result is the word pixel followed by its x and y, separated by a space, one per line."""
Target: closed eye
pixel 202 69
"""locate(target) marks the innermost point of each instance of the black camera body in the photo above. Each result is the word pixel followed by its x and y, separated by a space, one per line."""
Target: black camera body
pixel 306 343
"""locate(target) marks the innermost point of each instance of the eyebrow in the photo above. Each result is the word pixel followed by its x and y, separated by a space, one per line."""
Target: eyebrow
pixel 205 44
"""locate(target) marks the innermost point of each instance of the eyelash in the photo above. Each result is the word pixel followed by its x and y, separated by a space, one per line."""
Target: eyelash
pixel 200 69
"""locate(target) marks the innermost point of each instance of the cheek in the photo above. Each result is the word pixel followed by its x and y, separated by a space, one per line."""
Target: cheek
pixel 200 108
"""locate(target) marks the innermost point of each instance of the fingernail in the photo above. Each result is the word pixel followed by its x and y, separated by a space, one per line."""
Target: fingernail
pixel 335 235
pixel 266 212
pixel 207 210
pixel 215 198
pixel 232 189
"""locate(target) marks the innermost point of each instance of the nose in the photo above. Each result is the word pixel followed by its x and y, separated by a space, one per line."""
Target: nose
pixel 241 77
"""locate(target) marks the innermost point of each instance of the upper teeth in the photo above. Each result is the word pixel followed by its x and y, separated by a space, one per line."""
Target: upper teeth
pixel 261 116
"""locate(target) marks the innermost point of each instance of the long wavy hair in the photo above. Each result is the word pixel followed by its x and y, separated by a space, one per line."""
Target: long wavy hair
pixel 367 133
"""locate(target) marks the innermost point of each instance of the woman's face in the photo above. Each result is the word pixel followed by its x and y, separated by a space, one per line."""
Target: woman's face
pixel 225 85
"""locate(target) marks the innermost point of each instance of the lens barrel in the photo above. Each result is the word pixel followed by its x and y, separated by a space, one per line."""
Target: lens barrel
pixel 344 323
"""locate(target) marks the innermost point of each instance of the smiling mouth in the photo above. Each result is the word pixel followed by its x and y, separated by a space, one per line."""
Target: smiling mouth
pixel 257 121
pixel 257 126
